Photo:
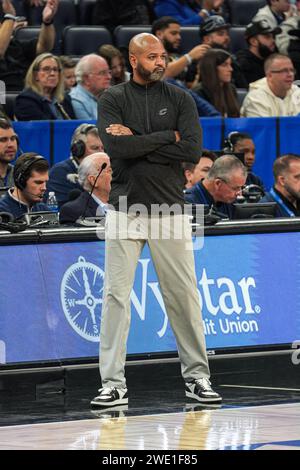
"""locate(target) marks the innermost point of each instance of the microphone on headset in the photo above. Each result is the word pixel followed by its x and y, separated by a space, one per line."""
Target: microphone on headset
pixel 80 221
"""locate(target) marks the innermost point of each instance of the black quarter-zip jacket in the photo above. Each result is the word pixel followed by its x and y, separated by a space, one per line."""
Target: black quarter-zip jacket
pixel 147 166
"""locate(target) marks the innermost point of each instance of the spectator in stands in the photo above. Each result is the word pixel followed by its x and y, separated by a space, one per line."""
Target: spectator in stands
pixel 275 12
pixel 113 13
pixel 222 185
pixel 168 30
pixel 188 12
pixel 30 177
pixel 68 71
pixel 85 141
pixel 8 150
pixel 241 142
pixel 195 172
pixel 215 86
pixel 16 56
pixel 261 40
pixel 116 63
pixel 293 49
pixel 43 97
pixel 89 204
pixel 93 77
pixel 274 95
pixel 288 41
pixel 214 31
pixel 286 190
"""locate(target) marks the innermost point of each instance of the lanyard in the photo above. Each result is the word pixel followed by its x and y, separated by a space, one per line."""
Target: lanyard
pixel 281 203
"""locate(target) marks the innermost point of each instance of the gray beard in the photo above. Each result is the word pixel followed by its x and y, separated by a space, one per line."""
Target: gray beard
pixel 149 76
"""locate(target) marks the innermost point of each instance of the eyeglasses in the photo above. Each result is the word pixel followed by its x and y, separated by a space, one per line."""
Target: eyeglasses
pixel 47 69
pixel 284 71
pixel 101 73
pixel 236 189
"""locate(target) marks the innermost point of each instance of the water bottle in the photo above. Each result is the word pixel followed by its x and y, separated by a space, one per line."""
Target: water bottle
pixel 52 202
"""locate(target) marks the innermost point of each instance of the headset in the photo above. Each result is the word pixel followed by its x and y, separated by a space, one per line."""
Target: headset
pixel 253 193
pixel 228 145
pixel 21 173
pixel 8 223
pixel 78 147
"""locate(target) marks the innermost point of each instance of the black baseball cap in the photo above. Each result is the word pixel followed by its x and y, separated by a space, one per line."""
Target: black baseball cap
pixel 260 27
pixel 212 24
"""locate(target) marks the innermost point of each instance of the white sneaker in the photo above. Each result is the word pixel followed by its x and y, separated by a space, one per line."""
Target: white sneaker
pixel 200 389
pixel 111 396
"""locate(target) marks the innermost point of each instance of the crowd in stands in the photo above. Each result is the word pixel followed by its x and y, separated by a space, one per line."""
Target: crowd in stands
pixel 258 80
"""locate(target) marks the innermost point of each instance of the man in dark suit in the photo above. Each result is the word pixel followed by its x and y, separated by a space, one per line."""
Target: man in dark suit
pixel 94 175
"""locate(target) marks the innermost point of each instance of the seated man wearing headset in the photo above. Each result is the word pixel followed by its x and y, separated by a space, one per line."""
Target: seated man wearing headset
pixel 242 143
pixel 85 141
pixel 30 177
pixel 94 176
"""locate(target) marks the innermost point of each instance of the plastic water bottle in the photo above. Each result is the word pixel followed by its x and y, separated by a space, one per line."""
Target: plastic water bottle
pixel 52 202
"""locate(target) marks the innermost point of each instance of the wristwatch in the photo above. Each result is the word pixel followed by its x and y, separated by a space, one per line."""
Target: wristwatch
pixel 8 16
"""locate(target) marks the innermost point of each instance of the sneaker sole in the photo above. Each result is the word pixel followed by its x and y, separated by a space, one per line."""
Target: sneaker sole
pixel 121 401
pixel 203 400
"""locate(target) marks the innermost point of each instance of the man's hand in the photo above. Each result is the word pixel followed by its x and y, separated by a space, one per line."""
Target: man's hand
pixel 8 7
pixel 199 51
pixel 207 6
pixel 50 10
pixel 177 135
pixel 118 129
pixel 217 4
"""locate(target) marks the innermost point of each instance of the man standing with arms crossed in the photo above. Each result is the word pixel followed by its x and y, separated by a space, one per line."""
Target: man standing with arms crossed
pixel 149 128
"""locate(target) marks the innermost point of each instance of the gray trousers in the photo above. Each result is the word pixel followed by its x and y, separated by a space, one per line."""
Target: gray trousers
pixel 174 264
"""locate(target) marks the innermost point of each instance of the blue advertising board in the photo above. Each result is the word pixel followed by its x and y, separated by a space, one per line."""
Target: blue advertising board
pixel 51 297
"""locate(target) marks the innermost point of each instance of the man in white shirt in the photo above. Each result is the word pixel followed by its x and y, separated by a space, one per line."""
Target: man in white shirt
pixel 275 12
pixel 275 94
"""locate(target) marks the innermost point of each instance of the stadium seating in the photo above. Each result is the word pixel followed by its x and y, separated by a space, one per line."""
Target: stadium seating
pixel 241 93
pixel 237 38
pixel 82 40
pixel 123 34
pixel 29 32
pixel 9 105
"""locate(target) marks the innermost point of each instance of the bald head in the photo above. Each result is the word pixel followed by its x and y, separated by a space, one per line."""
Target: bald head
pixel 141 41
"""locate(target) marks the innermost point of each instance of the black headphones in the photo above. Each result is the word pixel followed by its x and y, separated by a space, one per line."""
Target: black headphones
pixel 228 145
pixel 22 172
pixel 8 223
pixel 78 148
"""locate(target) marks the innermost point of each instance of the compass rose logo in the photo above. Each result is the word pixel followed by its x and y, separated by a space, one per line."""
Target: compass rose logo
pixel 81 298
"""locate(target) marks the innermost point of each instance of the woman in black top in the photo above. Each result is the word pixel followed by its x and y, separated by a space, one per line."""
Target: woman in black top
pixel 215 82
pixel 43 97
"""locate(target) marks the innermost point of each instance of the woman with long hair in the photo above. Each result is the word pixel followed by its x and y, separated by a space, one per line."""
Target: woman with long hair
pixel 43 97
pixel 215 82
